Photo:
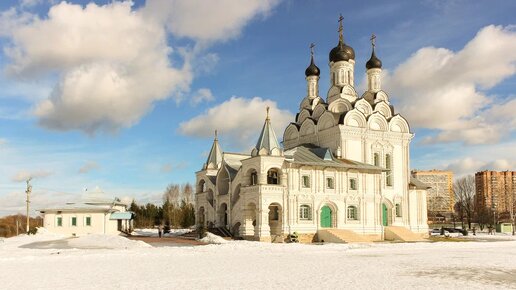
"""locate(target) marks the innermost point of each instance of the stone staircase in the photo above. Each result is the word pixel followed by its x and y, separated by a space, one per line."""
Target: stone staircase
pixel 393 233
pixel 220 231
pixel 341 236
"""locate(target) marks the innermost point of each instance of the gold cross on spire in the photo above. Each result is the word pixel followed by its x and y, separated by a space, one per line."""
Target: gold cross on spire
pixel 373 39
pixel 216 134
pixel 312 45
pixel 268 108
pixel 341 18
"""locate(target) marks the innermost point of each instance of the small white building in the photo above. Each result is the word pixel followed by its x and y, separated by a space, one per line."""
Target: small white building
pixel 93 215
pixel 343 168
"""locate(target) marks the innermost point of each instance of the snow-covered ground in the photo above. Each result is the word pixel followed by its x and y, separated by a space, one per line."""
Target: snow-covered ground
pixel 253 265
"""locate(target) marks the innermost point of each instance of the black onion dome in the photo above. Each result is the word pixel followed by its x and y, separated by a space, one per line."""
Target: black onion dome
pixel 342 52
pixel 312 69
pixel 373 62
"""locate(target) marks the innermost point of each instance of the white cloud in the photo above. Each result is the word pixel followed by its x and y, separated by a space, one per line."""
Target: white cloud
pixel 169 167
pixel 89 166
pixel 202 95
pixel 26 174
pixel 207 21
pixel 237 119
pixel 445 90
pixel 113 61
pixel 470 165
pixel 3 141
pixel 30 3
pixel 114 65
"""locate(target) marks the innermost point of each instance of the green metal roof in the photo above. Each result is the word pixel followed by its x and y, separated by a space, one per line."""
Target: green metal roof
pixel 128 215
pixel 418 184
pixel 317 156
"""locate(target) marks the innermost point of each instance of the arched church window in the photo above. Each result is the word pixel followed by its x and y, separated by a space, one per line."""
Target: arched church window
pixel 272 176
pixel 201 186
pixel 388 165
pixel 305 212
pixel 376 159
pixel 352 212
pixel 398 210
pixel 254 178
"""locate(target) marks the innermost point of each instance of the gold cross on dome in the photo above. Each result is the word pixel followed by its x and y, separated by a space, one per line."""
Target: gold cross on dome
pixel 373 39
pixel 312 45
pixel 341 18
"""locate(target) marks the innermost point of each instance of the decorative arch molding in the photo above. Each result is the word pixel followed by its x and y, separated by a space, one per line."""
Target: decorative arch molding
pixel 388 148
pixel 363 106
pixel 291 132
pixel 368 96
pixel 399 124
pixel 329 203
pixel 387 202
pixel 333 91
pixel 381 96
pixel 318 111
pixel 223 178
pixel 340 106
pixel 303 115
pixel 305 104
pixel 316 102
pixel 384 109
pixel 377 122
pixel 355 118
pixel 326 121
pixel 348 90
pixel 307 128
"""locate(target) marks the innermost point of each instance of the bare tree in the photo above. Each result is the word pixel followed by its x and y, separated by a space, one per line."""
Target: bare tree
pixel 188 193
pixel 171 200
pixel 464 190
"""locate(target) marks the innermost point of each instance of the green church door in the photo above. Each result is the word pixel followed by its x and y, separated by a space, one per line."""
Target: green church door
pixel 384 214
pixel 325 217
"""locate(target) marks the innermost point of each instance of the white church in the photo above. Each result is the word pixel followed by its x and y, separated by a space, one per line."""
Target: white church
pixel 342 174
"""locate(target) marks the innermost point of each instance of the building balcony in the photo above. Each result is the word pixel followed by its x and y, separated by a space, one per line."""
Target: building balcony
pixel 263 189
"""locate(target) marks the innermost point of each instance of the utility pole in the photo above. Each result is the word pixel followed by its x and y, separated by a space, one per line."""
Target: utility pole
pixel 28 191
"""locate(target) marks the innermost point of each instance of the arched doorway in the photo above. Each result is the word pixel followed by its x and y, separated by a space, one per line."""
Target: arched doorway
pixel 275 219
pixel 200 216
pixel 247 228
pixel 326 217
pixel 223 215
pixel 385 215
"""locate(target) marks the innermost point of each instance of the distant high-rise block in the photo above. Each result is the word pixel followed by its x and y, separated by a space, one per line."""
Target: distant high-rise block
pixel 496 191
pixel 440 198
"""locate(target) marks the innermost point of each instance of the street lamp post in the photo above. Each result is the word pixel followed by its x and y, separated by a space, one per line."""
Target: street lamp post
pixel 28 191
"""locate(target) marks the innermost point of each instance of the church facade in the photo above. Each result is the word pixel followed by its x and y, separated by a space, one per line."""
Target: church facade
pixel 344 165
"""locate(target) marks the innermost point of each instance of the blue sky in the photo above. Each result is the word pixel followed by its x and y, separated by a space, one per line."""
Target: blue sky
pixel 167 67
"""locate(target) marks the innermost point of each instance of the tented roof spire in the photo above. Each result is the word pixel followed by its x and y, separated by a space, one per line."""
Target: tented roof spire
pixel 267 143
pixel 215 156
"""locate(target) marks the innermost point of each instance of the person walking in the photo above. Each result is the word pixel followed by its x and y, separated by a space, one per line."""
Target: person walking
pixel 159 231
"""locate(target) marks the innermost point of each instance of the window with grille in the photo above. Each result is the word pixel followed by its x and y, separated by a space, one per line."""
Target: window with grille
pixel 305 212
pixel 352 213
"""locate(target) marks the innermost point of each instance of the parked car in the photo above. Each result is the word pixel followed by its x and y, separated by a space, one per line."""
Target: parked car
pixel 455 232
pixel 437 232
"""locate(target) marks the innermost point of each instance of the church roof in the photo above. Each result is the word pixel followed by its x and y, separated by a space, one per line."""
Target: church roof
pixel 418 184
pixel 307 154
pixel 215 156
pixel 267 139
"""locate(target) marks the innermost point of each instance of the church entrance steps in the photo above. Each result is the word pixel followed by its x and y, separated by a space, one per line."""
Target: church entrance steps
pixel 342 236
pixel 220 231
pixel 393 233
